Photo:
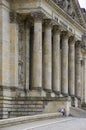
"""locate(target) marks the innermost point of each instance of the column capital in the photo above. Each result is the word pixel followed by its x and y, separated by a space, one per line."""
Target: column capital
pixel 56 29
pixel 13 17
pixel 48 22
pixel 78 43
pixel 38 15
pixel 72 40
pixel 65 34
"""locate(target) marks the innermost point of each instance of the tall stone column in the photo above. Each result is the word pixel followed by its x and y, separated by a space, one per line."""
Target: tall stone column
pixel 27 54
pixel 78 70
pixel 37 54
pixel 84 78
pixel 47 57
pixel 64 62
pixel 71 66
pixel 4 44
pixel 56 61
pixel 13 50
pixel 5 86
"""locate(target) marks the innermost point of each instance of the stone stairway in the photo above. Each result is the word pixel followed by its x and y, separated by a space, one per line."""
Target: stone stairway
pixel 83 106
pixel 15 123
pixel 77 112
pixel 24 107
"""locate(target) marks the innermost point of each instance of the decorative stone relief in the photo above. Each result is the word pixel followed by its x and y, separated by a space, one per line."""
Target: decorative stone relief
pixel 13 17
pixel 67 6
pixel 84 42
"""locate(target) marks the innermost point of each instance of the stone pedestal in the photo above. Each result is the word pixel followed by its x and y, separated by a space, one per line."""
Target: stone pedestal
pixel 67 106
pixel 76 102
pixel 56 61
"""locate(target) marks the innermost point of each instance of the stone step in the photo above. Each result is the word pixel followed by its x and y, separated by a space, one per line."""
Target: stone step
pixel 22 107
pixel 77 112
pixel 25 119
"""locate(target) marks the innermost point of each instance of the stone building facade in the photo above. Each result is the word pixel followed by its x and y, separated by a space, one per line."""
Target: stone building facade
pixel 42 56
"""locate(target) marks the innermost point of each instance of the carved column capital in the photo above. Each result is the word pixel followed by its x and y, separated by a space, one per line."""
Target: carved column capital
pixel 56 29
pixel 48 22
pixel 78 44
pixel 65 34
pixel 37 15
pixel 72 40
pixel 13 17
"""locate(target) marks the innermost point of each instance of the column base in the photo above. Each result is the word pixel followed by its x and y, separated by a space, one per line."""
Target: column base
pixel 71 95
pixel 36 93
pixel 65 94
pixel 76 102
pixel 47 90
pixel 57 92
pixel 51 94
pixel 67 106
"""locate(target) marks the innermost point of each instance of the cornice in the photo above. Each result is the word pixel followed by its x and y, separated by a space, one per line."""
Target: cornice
pixel 65 15
pixel 79 13
pixel 56 8
pixel 64 6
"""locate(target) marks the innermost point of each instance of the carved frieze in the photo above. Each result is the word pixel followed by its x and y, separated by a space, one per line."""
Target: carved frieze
pixel 66 6
pixel 84 42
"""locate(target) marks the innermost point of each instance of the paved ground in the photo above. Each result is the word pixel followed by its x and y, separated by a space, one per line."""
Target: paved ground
pixel 53 124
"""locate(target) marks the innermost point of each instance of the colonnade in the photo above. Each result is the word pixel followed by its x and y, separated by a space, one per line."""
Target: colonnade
pixel 56 63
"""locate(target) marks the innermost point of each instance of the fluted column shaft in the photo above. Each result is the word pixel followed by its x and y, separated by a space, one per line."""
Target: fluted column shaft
pixel 37 55
pixel 78 70
pixel 64 62
pixel 71 64
pixel 56 60
pixel 47 57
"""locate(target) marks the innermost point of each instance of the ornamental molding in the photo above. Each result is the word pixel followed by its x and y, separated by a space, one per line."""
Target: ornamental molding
pixel 66 6
pixel 72 8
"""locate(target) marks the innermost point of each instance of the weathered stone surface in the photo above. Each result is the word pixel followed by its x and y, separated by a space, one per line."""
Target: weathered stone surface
pixel 71 66
pixel 37 63
pixel 56 61
pixel 47 57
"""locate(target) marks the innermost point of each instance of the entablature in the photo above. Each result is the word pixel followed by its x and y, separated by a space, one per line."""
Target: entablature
pixel 51 11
